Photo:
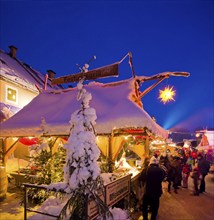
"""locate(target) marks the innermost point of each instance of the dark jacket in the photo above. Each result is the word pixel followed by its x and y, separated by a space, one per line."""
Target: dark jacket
pixel 203 166
pixel 196 176
pixel 152 178
pixel 172 173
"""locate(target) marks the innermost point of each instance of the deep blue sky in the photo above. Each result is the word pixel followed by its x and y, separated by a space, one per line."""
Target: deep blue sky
pixel 173 35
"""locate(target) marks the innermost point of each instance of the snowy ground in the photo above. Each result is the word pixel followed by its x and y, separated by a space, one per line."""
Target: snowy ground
pixel 181 206
pixel 10 208
pixel 184 206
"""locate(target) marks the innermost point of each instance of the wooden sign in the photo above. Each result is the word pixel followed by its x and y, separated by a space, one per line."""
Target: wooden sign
pixel 106 71
pixel 114 192
pixel 92 209
pixel 117 190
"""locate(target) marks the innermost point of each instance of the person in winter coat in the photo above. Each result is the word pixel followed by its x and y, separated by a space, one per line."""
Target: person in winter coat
pixel 185 175
pixel 179 165
pixel 196 177
pixel 152 178
pixel 174 173
pixel 190 162
pixel 194 156
pixel 171 178
pixel 204 167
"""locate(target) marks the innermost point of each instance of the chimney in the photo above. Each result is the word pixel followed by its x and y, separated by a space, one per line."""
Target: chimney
pixel 13 50
pixel 51 74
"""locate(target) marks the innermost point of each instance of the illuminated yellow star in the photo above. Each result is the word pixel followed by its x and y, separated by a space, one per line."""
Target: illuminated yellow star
pixel 167 94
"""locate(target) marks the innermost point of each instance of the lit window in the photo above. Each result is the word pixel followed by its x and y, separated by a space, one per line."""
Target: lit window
pixel 11 95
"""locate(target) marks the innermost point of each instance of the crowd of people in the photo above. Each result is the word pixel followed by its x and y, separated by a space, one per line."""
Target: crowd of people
pixel 176 171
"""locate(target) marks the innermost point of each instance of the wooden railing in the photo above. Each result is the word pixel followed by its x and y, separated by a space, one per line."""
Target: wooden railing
pixel 26 209
pixel 114 192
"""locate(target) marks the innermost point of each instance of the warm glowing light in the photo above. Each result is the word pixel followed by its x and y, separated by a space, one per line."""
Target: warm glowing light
pixel 167 94
pixel 126 137
pixel 197 134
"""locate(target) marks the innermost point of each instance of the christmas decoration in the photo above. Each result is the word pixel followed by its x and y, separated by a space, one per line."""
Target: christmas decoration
pixel 82 179
pixel 46 167
pixel 167 94
pixel 29 141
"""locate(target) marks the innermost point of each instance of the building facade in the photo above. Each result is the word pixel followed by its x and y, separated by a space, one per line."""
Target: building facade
pixel 19 83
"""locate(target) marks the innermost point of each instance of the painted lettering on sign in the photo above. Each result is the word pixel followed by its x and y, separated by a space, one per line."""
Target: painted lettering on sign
pixel 114 192
pixel 106 71
pixel 92 209
pixel 117 190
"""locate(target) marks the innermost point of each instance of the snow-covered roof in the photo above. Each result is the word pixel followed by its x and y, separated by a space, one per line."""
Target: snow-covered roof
pixel 112 102
pixel 21 73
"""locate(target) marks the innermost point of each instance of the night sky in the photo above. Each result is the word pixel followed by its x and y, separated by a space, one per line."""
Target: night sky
pixel 173 35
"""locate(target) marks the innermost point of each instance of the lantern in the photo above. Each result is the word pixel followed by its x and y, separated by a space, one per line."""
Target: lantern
pixel 29 140
pixel 167 94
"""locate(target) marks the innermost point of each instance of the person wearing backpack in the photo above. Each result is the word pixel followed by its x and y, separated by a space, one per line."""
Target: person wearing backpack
pixel 185 175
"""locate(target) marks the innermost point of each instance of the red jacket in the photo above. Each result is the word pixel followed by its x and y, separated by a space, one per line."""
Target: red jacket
pixel 194 155
pixel 186 169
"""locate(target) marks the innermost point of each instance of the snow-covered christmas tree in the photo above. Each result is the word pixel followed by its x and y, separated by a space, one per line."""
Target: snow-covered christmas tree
pixel 82 173
pixel 82 179
pixel 82 152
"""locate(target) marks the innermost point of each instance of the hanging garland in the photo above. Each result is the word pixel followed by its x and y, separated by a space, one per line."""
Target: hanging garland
pixel 134 131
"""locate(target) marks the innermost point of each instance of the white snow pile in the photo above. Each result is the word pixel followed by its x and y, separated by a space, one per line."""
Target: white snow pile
pixel 108 100
pixel 52 206
pixel 109 177
pixel 118 214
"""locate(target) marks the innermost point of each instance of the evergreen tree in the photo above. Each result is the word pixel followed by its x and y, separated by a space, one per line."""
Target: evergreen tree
pixel 81 172
pixel 47 168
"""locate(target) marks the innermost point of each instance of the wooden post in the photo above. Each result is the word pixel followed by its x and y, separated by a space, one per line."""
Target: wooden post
pixel 86 207
pixel 25 203
pixel 6 151
pixel 110 162
pixel 2 163
pixel 147 146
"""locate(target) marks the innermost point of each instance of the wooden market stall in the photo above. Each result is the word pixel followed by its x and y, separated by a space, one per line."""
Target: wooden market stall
pixel 122 124
pixel 124 130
